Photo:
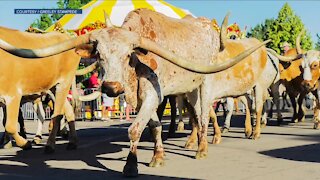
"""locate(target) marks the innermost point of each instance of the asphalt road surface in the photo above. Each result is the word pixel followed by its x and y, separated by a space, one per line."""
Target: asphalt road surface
pixel 291 151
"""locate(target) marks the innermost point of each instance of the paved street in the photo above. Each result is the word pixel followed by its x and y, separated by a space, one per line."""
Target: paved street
pixel 291 151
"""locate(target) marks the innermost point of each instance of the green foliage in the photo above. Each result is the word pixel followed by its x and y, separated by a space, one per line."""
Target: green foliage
pixel 61 5
pixel 73 4
pixel 283 29
pixel 318 42
pixel 46 21
pixel 43 23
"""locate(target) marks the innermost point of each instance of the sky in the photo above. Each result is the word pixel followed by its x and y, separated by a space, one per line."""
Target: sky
pixel 245 13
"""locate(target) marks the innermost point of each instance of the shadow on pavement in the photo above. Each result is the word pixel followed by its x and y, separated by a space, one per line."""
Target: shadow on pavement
pixel 93 142
pixel 305 153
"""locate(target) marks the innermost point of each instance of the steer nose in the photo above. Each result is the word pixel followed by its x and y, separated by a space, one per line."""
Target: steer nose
pixel 307 85
pixel 112 89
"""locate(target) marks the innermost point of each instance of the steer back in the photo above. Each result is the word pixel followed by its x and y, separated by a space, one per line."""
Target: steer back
pixel 192 38
pixel 34 75
pixel 240 78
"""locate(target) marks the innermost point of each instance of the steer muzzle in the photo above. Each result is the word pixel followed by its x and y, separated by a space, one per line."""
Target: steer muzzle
pixel 112 89
pixel 309 85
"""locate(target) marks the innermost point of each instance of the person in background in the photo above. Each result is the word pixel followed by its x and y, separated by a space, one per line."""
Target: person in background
pixel 94 81
pixel 286 47
pixel 107 103
pixel 123 106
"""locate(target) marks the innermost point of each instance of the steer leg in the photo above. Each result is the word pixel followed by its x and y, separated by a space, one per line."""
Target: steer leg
pixel 156 128
pixel 194 110
pixel 13 105
pixel 316 110
pixel 216 129
pixel 5 140
pixel 180 107
pixel 301 114
pixel 41 118
pixel 206 102
pixel 149 94
pixel 173 105
pixel 192 140
pixel 247 124
pixel 61 96
pixel 259 100
pixel 294 106
pixel 73 138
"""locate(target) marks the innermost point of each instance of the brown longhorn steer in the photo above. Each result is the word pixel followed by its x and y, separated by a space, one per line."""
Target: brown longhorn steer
pixel 301 77
pixel 147 59
pixel 31 77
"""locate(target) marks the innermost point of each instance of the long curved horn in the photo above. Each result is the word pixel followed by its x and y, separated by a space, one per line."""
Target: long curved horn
pixel 284 58
pixel 89 97
pixel 87 70
pixel 223 32
pixel 298 40
pixel 198 68
pixel 47 51
pixel 107 19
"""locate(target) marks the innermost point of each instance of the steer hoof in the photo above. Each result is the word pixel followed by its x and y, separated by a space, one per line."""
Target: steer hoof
pixel 216 139
pixel 180 127
pixel 248 133
pixel 190 145
pixel 130 171
pixel 27 146
pixel 72 146
pixel 131 167
pixel 156 162
pixel 37 140
pixel 201 155
pixel 256 135
pixel 49 150
pixel 263 124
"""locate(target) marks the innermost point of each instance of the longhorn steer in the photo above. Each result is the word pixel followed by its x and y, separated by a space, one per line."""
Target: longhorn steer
pixel 134 58
pixel 301 77
pixel 25 77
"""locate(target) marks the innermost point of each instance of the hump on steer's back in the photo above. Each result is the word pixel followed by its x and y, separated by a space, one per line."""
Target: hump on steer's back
pixel 189 37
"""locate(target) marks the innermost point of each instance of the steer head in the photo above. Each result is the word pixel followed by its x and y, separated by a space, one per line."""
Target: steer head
pixel 114 47
pixel 310 65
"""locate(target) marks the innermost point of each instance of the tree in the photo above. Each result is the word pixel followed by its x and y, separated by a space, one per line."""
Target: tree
pixel 318 42
pixel 43 23
pixel 73 4
pixel 283 29
pixel 56 17
pixel 46 21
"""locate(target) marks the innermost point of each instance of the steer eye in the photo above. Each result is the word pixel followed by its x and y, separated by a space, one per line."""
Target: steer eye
pixel 314 65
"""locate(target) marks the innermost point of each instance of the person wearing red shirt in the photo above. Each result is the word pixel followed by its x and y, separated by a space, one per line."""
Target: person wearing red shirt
pixel 94 82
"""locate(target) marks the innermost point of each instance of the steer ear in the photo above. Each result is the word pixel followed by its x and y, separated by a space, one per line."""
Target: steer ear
pixel 85 50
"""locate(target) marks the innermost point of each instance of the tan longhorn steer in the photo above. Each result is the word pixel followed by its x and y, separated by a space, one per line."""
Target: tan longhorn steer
pixel 147 59
pixel 31 77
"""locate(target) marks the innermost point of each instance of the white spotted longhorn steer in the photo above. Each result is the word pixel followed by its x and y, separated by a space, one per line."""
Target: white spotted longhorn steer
pixel 150 56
